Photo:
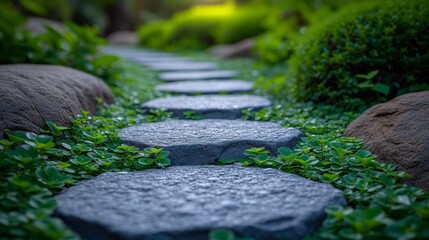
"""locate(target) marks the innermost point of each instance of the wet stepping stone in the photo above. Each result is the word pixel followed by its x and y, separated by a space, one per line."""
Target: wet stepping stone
pixel 186 202
pixel 209 106
pixel 207 141
pixel 181 66
pixel 197 75
pixel 206 86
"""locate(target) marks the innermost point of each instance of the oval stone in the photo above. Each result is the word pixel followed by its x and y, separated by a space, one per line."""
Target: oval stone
pixel 209 106
pixel 207 141
pixel 197 75
pixel 186 202
pixel 206 87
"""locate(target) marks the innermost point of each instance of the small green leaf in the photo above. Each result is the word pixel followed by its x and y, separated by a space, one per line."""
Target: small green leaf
pixel 381 88
pixel 165 162
pixel 221 234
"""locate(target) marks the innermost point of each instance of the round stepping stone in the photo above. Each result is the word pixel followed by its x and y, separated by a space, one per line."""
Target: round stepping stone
pixel 197 75
pixel 206 86
pixel 209 106
pixel 180 66
pixel 207 141
pixel 187 202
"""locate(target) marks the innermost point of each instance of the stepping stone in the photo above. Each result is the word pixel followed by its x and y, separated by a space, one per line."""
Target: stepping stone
pixel 187 202
pixel 209 106
pixel 161 59
pixel 206 86
pixel 207 141
pixel 180 66
pixel 197 75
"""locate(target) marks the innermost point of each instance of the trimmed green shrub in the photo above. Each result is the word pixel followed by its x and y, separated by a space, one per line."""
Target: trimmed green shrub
pixel 367 53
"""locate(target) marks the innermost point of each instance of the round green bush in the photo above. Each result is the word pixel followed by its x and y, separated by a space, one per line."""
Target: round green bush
pixel 367 53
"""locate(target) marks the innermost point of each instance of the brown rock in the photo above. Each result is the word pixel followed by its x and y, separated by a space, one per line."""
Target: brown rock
pixel 123 38
pixel 398 132
pixel 240 49
pixel 31 94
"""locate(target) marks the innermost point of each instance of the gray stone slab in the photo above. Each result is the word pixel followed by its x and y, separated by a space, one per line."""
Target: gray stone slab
pixel 206 87
pixel 209 106
pixel 207 141
pixel 186 202
pixel 197 75
pixel 180 66
pixel 160 59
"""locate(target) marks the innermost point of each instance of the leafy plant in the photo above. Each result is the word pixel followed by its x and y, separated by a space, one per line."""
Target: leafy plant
pixel 224 234
pixel 76 47
pixel 379 207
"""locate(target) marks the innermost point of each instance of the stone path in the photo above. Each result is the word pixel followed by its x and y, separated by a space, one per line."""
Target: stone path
pixel 209 106
pixel 187 201
pixel 206 87
pixel 196 75
pixel 180 66
pixel 206 141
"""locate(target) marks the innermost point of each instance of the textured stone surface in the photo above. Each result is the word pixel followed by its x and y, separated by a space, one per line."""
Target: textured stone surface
pixel 209 106
pixel 206 141
pixel 197 75
pixel 206 86
pixel 186 202
pixel 31 94
pixel 398 132
pixel 180 66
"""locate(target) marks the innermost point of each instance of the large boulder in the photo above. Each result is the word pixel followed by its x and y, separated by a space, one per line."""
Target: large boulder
pixel 398 132
pixel 31 94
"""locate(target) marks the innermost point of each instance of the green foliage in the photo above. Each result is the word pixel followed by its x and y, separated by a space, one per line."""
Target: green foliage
pixel 379 207
pixel 202 26
pixel 288 21
pixel 365 54
pixel 224 234
pixel 77 47
pixel 33 167
pixel 308 117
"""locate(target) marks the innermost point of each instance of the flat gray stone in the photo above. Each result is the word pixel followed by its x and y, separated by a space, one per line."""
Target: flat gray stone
pixel 206 87
pixel 207 141
pixel 186 202
pixel 209 106
pixel 180 66
pixel 197 75
pixel 159 59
